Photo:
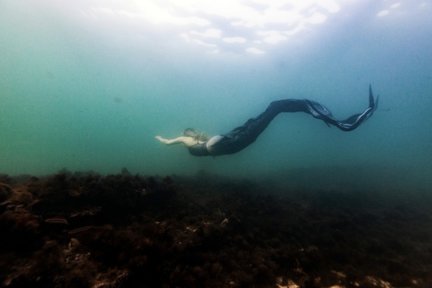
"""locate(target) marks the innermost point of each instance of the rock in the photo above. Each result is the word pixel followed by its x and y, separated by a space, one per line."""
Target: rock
pixel 5 192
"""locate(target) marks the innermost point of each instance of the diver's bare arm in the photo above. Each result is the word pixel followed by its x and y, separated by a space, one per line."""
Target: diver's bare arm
pixel 177 140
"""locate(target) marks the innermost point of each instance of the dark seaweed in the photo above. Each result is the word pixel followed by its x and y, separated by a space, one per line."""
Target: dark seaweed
pixel 90 230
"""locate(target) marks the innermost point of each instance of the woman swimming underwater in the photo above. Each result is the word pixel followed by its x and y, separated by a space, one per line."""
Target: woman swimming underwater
pixel 241 137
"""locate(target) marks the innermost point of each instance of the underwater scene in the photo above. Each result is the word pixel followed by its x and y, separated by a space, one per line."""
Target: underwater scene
pixel 230 143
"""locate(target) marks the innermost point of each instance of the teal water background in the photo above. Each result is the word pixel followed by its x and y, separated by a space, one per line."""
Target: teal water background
pixel 86 93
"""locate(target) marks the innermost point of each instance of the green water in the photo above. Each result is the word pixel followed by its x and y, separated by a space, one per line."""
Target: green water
pixel 88 93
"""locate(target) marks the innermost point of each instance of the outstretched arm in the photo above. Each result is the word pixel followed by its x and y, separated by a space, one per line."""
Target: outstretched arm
pixel 169 141
pixel 188 141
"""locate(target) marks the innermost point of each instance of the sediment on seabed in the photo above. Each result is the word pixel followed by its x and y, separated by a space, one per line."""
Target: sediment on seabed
pixel 91 230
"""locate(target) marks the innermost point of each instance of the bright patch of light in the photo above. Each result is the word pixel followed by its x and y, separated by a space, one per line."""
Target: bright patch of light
pixel 272 37
pixel 317 18
pixel 215 24
pixel 254 50
pixel 404 10
pixel 234 40
pixel 396 5
pixel 208 33
pixel 383 13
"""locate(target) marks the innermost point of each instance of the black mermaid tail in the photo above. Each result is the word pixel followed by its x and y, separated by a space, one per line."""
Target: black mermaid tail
pixel 320 112
pixel 242 136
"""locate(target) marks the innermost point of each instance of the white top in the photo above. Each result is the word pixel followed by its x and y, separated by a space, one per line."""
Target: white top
pixel 213 140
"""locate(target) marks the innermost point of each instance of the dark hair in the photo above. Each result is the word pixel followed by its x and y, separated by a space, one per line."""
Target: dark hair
pixel 191 132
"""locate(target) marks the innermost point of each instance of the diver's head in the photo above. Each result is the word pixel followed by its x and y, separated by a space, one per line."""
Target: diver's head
pixel 190 132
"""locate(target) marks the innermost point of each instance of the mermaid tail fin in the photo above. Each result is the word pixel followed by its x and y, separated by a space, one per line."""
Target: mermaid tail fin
pixel 355 120
pixel 321 112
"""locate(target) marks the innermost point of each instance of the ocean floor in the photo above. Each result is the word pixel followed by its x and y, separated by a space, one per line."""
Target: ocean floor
pixel 123 230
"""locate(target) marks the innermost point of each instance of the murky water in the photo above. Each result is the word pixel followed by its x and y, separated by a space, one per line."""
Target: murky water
pixel 87 86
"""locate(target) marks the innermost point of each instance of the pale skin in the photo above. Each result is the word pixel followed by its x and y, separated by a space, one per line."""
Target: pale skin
pixel 187 141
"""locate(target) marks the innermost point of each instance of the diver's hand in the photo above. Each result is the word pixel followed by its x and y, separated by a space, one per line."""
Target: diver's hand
pixel 161 139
